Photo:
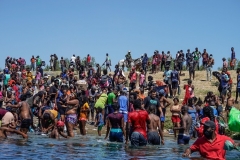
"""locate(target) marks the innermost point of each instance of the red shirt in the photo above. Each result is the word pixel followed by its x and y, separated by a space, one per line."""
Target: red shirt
pixel 89 59
pixel 14 66
pixel 210 150
pixel 138 120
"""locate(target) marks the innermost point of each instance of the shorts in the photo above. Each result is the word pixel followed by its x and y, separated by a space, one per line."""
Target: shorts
pixel 26 123
pixel 82 119
pixel 100 127
pixel 7 118
pixel 162 119
pixel 183 139
pixel 153 138
pixel 224 92
pixel 137 139
pixel 180 66
pixel 176 119
pixel 116 135
pixel 175 85
pixel 125 115
pixel 71 118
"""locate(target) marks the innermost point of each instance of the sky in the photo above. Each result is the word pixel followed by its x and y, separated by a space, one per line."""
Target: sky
pixel 97 27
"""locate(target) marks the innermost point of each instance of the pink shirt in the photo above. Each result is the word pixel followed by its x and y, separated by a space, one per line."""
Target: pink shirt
pixel 142 78
pixel 38 76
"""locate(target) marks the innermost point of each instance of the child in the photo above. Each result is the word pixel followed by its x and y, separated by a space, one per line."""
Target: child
pixel 57 131
pixel 99 120
pixel 84 110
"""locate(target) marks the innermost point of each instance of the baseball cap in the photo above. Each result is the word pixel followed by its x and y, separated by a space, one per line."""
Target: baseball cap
pixel 210 124
pixel 60 124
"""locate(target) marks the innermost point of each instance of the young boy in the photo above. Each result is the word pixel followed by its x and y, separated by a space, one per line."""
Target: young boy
pixel 58 131
pixel 99 120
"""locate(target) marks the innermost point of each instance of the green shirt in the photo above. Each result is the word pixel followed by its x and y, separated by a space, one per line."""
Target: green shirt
pixel 111 96
pixel 101 101
pixel 196 55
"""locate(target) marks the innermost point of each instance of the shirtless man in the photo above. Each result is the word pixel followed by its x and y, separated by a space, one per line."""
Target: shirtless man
pixel 25 115
pixel 164 103
pixel 154 128
pixel 186 122
pixel 230 103
pixel 58 131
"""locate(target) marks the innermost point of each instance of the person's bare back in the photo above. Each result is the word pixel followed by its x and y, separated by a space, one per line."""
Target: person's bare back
pixel 154 123
pixel 25 112
pixel 186 123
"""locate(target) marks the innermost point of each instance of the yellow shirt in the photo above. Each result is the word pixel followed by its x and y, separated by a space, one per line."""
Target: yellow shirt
pixel 83 112
pixel 29 76
pixel 54 112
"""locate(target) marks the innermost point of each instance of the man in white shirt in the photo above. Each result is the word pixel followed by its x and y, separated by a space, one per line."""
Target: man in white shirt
pixel 73 58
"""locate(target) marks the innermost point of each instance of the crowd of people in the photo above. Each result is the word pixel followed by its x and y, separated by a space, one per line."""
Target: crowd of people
pixel 85 94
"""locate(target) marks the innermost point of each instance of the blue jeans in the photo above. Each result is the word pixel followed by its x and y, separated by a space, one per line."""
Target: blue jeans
pixel 209 73
pixel 33 67
pixel 116 135
pixel 110 109
pixel 63 68
pixel 137 139
pixel 144 67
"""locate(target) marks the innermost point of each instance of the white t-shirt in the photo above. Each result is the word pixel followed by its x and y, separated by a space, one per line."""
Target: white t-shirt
pixel 73 58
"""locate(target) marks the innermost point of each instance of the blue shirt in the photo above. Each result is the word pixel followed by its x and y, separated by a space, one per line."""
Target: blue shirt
pixel 224 80
pixel 123 103
pixel 167 74
pixel 100 119
pixel 145 60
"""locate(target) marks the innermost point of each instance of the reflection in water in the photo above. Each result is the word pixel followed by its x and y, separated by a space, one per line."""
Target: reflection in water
pixel 89 147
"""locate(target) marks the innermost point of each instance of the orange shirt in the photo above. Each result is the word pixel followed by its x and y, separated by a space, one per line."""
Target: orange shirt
pixel 141 96
pixel 84 112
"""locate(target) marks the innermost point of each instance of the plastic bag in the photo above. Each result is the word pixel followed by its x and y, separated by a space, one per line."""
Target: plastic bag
pixel 234 120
